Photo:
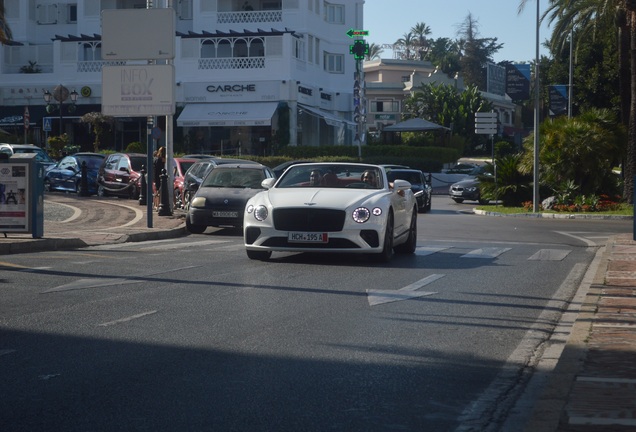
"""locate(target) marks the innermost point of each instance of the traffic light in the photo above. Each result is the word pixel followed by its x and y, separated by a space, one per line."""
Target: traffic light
pixel 359 49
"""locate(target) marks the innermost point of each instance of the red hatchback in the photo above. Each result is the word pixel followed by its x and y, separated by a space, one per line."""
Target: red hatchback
pixel 120 175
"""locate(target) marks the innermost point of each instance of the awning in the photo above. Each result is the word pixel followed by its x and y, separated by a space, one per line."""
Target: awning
pixel 228 114
pixel 330 119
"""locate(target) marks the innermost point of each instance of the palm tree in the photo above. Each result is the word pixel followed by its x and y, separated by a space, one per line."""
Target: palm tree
pixel 406 43
pixel 5 31
pixel 374 51
pixel 581 17
pixel 420 31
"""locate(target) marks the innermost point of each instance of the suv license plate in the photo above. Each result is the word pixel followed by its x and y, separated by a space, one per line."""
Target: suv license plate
pixel 225 214
pixel 307 237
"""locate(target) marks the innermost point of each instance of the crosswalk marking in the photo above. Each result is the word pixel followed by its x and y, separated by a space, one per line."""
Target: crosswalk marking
pixel 550 255
pixel 429 250
pixel 488 252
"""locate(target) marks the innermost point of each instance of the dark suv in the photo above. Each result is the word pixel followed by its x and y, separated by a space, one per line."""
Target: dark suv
pixel 120 175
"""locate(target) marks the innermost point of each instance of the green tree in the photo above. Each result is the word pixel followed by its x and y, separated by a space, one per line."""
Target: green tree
pixel 476 52
pixel 374 51
pixel 510 185
pixel 445 54
pixel 582 149
pixel 421 31
pixel 406 46
pixel 99 124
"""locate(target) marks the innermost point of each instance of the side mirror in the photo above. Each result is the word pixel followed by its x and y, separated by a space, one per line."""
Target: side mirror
pixel 401 185
pixel 268 183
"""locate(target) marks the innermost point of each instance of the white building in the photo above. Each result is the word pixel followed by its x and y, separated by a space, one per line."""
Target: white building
pixel 248 73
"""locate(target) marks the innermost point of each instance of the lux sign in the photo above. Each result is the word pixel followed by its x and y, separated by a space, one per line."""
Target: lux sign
pixel 231 88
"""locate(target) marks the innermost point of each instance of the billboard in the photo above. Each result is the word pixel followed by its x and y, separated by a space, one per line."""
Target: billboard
pixel 558 95
pixel 138 34
pixel 518 81
pixel 138 90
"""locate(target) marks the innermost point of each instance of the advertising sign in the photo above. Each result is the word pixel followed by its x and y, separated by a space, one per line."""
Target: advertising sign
pixel 558 100
pixel 496 79
pixel 138 91
pixel 14 190
pixel 518 81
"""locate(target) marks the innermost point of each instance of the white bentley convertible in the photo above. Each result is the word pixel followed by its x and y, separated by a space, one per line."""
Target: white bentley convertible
pixel 331 207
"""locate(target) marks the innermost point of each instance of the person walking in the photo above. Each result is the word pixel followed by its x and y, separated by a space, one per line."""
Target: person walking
pixel 158 165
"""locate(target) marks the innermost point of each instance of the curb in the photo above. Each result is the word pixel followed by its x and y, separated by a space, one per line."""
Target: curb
pixel 554 215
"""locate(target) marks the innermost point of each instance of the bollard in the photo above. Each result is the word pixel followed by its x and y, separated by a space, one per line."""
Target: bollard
pixel 143 186
pixel 83 189
pixel 164 206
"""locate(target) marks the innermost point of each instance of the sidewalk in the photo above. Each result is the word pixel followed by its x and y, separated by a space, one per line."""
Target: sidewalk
pixel 591 389
pixel 71 222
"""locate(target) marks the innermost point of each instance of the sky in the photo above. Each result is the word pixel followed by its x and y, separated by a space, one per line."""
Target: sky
pixel 388 21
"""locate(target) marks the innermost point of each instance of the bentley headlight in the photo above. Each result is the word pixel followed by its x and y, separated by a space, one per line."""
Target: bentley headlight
pixel 260 213
pixel 249 209
pixel 198 202
pixel 377 211
pixel 361 214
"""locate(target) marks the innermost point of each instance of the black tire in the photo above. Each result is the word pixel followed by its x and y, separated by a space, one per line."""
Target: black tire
pixel 387 249
pixel 409 246
pixel 483 201
pixel 134 192
pixel 187 197
pixel 194 229
pixel 458 200
pixel 428 205
pixel 101 192
pixel 258 255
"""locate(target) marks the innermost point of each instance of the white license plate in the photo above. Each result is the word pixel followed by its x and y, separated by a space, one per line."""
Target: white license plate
pixel 307 237
pixel 225 214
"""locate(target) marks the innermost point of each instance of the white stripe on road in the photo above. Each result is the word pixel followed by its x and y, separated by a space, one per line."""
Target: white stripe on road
pixel 429 250
pixel 130 318
pixel 550 255
pixel 376 297
pixel 489 252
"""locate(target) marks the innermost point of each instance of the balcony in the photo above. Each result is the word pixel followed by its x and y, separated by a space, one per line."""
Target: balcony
pixel 242 17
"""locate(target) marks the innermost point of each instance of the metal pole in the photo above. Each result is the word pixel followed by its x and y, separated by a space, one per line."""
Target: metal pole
pixel 535 192
pixel 570 79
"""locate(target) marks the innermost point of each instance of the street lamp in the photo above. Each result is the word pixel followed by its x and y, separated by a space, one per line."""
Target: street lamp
pixel 60 94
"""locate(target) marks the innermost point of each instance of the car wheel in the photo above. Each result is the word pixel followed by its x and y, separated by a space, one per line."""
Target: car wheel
pixel 483 201
pixel 134 192
pixel 178 201
pixel 258 255
pixel 458 200
pixel 47 186
pixel 387 249
pixel 409 246
pixel 187 197
pixel 194 229
pixel 101 192
pixel 428 205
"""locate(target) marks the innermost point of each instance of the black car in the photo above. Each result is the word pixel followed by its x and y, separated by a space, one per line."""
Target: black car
pixel 66 175
pixel 420 185
pixel 221 198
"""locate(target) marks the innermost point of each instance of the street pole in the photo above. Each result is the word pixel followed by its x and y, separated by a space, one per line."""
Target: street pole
pixel 535 191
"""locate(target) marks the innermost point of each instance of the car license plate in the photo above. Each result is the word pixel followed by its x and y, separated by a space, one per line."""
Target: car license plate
pixel 225 214
pixel 307 237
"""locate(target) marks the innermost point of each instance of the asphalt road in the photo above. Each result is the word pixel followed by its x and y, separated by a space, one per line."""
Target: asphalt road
pixel 190 335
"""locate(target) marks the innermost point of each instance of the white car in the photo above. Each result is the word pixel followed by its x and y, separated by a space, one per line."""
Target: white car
pixel 331 207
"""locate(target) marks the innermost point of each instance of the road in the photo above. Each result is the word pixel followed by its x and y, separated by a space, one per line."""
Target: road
pixel 190 335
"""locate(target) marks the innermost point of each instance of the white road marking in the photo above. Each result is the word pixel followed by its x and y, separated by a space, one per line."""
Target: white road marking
pixel 550 255
pixel 76 212
pixel 489 252
pixel 376 297
pixel 583 239
pixel 130 318
pixel 429 250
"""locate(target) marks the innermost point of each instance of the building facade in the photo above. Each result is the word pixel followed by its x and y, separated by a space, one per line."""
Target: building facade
pixel 249 74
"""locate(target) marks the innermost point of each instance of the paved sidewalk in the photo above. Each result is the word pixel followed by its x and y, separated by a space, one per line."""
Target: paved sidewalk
pixel 71 222
pixel 591 389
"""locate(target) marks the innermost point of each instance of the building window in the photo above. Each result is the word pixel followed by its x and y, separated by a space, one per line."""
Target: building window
pixel 47 14
pixel 317 51
pixel 406 78
pixel 71 13
pixel 334 63
pixel 310 46
pixel 184 10
pixel 334 13
pixel 299 49
pixel 385 106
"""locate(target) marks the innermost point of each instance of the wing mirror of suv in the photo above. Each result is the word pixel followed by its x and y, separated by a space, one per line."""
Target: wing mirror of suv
pixel 124 169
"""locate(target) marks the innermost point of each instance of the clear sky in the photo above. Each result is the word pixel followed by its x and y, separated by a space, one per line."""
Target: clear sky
pixel 388 20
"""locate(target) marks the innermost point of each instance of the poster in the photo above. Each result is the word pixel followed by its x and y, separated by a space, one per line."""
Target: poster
pixel 14 211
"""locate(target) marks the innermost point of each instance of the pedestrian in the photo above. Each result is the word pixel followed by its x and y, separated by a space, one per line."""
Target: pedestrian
pixel 158 165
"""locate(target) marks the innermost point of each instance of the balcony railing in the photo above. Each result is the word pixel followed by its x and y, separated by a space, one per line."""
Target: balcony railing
pixel 232 63
pixel 249 17
pixel 96 65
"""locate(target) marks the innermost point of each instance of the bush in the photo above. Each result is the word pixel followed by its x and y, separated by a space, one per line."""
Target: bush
pixel 136 147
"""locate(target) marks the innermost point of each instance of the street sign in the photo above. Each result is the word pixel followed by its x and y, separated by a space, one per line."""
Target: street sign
pixel 486 123
pixel 359 49
pixel 489 115
pixel 46 124
pixel 356 33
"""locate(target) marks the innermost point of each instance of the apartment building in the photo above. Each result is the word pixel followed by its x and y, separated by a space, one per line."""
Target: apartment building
pixel 249 74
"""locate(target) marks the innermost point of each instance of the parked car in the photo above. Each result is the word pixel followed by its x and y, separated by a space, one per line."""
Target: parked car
pixel 461 168
pixel 181 166
pixel 421 187
pixel 42 156
pixel 220 200
pixel 344 212
pixel 196 173
pixel 468 188
pixel 66 175
pixel 120 175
